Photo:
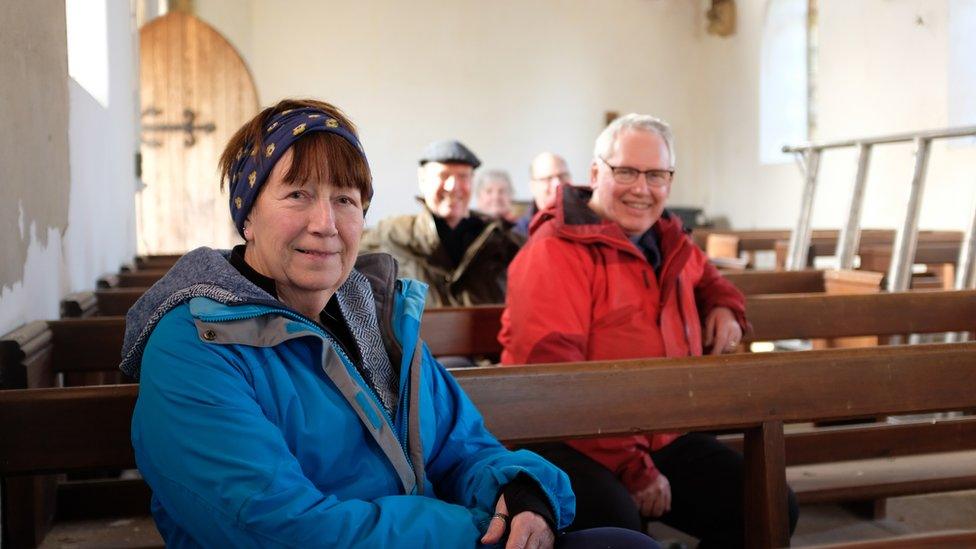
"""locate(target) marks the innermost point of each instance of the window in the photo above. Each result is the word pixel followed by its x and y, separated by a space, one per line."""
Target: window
pixel 962 65
pixel 785 90
pixel 88 46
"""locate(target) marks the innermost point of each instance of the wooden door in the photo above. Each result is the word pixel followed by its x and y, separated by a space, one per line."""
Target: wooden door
pixel 195 92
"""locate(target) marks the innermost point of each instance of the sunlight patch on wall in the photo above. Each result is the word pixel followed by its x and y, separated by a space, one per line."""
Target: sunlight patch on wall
pixel 88 46
pixel 962 66
pixel 783 79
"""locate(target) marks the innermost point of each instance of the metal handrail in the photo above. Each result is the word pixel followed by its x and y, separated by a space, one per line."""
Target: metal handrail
pixel 947 133
pixel 899 273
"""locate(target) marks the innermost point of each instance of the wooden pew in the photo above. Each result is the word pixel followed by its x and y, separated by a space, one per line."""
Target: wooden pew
pixel 131 279
pixel 56 430
pixel 823 242
pixel 160 261
pixel 84 346
pixel 932 247
pixel 878 258
pixel 777 282
pixel 47 354
pixel 102 302
pixel 928 540
pixel 116 300
pixel 149 270
pixel 474 330
pixel 755 240
pixel 34 355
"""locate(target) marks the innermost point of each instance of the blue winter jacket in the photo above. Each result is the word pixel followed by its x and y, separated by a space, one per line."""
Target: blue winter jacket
pixel 254 429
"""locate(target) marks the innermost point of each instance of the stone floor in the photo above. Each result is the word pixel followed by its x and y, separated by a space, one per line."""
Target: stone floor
pixel 818 524
pixel 137 532
pixel 830 523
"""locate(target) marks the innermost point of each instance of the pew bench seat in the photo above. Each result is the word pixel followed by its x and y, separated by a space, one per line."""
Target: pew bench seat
pixel 879 478
pixel 928 540
pixel 135 532
pixel 822 483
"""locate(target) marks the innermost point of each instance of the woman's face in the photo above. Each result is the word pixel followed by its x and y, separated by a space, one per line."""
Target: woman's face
pixel 305 237
pixel 495 198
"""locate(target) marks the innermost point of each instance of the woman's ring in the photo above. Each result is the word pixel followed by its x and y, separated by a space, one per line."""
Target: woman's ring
pixel 502 516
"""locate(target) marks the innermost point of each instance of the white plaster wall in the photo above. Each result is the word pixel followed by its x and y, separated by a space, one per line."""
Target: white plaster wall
pixel 889 63
pixel 234 20
pixel 33 158
pixel 881 70
pixel 509 78
pixel 101 233
pixel 101 223
pixel 513 78
pixel 38 295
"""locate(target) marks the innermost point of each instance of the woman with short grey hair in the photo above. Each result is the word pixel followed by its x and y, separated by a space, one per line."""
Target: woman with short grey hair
pixel 493 192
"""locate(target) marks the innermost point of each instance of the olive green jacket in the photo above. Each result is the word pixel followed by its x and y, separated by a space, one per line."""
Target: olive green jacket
pixel 480 277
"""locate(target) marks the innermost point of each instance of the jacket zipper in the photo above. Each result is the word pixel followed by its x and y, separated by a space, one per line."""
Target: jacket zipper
pixel 681 313
pixel 401 434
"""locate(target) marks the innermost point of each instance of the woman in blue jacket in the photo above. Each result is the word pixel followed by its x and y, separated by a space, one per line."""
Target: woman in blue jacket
pixel 285 396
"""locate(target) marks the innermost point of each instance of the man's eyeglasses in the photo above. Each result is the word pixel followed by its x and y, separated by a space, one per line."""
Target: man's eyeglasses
pixel 563 177
pixel 628 176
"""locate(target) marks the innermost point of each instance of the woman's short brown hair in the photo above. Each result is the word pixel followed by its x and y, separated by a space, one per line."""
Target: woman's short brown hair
pixel 319 156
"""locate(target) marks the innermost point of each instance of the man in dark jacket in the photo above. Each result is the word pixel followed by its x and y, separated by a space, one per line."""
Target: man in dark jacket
pixel 462 255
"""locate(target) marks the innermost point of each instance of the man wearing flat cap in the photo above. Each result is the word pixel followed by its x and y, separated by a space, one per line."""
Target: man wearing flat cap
pixel 462 255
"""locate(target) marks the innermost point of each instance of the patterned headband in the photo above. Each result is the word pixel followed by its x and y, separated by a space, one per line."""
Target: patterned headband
pixel 252 167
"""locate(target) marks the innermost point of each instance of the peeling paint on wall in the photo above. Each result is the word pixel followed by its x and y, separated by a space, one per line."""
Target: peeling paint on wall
pixel 34 181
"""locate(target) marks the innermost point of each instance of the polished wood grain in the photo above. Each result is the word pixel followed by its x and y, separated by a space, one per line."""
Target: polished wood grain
pixel 186 64
pixel 824 241
pixel 87 344
pixel 158 261
pixel 825 316
pixel 776 282
pixel 765 473
pixel 874 441
pixel 546 402
pixel 474 330
pixel 885 478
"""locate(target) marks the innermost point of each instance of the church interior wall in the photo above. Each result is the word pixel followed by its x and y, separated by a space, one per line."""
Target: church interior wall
pixel 33 157
pixel 883 68
pixel 68 168
pixel 512 79
pixel 102 230
pixel 509 79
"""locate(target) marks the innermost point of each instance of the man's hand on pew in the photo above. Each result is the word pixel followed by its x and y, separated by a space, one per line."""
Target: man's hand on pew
pixel 655 500
pixel 525 530
pixel 722 331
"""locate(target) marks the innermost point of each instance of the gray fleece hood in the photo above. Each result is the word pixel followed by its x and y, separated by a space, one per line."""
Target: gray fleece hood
pixel 205 272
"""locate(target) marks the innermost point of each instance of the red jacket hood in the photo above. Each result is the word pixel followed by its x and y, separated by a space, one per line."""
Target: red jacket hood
pixel 571 217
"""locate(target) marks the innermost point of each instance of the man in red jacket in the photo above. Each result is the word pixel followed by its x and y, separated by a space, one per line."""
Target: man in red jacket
pixel 608 274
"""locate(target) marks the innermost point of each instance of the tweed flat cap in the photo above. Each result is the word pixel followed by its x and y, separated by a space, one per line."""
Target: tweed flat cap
pixel 449 152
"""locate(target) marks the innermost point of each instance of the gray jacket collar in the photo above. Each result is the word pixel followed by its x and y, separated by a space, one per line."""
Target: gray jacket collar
pixel 205 272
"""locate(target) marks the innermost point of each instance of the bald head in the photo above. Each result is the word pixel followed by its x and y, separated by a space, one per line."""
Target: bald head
pixel 547 171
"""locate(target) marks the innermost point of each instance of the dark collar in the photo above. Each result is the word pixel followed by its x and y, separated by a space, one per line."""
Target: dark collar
pixel 457 240
pixel 330 318
pixel 650 244
pixel 265 283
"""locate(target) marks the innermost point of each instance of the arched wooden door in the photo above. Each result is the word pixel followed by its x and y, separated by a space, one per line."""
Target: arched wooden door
pixel 195 93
